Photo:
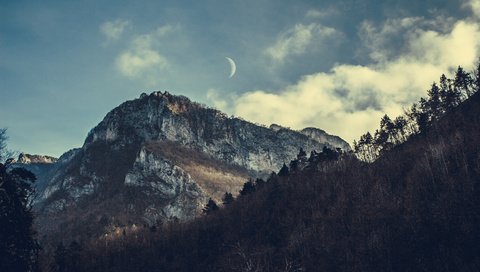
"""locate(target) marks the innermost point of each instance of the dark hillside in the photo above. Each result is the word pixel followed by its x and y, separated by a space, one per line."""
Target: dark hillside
pixel 416 208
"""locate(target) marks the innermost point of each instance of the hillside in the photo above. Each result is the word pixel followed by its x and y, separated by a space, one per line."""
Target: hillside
pixel 414 209
pixel 42 166
pixel 159 158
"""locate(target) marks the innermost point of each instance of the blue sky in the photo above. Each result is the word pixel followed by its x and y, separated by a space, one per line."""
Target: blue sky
pixel 337 65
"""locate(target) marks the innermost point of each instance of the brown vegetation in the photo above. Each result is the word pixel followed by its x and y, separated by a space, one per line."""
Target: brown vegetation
pixel 215 177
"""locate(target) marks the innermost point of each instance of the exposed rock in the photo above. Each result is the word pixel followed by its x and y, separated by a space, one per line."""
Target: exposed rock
pixel 40 165
pixel 323 137
pixel 158 178
pixel 28 159
pixel 162 156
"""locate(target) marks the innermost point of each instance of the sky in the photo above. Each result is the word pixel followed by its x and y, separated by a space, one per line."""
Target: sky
pixel 334 64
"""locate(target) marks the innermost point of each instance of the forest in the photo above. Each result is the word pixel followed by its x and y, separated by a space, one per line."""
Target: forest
pixel 406 199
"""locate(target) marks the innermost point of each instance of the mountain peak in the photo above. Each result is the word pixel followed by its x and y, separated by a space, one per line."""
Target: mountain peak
pixel 28 159
pixel 168 155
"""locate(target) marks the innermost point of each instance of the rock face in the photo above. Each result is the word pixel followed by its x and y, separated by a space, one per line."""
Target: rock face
pixel 158 177
pixel 322 137
pixel 29 159
pixel 40 165
pixel 162 156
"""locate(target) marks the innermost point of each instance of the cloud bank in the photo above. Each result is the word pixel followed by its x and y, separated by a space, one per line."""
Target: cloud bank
pixel 113 30
pixel 350 99
pixel 142 59
pixel 297 39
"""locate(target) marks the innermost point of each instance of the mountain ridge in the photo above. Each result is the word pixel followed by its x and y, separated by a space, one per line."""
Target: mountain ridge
pixel 414 208
pixel 161 157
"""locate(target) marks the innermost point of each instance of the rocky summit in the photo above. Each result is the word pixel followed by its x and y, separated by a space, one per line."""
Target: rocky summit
pixel 161 157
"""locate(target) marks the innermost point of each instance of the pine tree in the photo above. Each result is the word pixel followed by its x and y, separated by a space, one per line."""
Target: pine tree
pixel 4 152
pixel 423 115
pixel 227 198
pixel 302 155
pixel 248 188
pixel 18 247
pixel 210 207
pixel 434 103
pixel 400 124
pixel 463 84
pixel 476 79
pixel 283 171
pixel 259 183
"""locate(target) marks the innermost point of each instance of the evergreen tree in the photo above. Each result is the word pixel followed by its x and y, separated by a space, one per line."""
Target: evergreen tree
pixel 259 183
pixel 382 136
pixel 434 103
pixel 476 79
pixel 248 188
pixel 4 152
pixel 400 124
pixel 293 165
pixel 18 247
pixel 210 207
pixel 227 198
pixel 329 154
pixel 283 171
pixel 423 115
pixel 463 84
pixel 302 155
pixel 313 154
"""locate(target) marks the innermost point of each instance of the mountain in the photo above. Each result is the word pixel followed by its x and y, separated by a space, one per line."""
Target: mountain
pixel 415 208
pixel 161 157
pixel 41 165
pixel 31 159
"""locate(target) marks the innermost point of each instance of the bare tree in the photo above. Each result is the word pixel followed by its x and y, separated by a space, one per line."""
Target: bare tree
pixel 5 153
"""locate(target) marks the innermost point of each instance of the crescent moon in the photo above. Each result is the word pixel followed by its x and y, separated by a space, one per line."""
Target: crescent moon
pixel 233 67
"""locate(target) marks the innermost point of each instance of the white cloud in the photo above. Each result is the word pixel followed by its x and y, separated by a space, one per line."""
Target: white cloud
pixel 474 6
pixel 214 96
pixel 296 40
pixel 142 59
pixel 350 99
pixel 313 13
pixel 164 30
pixel 113 30
pixel 321 14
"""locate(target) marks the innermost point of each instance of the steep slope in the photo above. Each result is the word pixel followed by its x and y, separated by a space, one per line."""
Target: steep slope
pixel 161 157
pixel 413 209
pixel 42 166
pixel 322 137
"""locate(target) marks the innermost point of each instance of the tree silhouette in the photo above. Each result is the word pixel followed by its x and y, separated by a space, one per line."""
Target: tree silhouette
pixel 248 188
pixel 18 247
pixel 227 198
pixel 302 155
pixel 442 98
pixel 463 85
pixel 283 171
pixel 259 183
pixel 476 78
pixel 210 207
pixel 4 152
pixel 439 97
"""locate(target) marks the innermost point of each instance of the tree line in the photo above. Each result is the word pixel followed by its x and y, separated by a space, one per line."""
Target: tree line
pixel 442 97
